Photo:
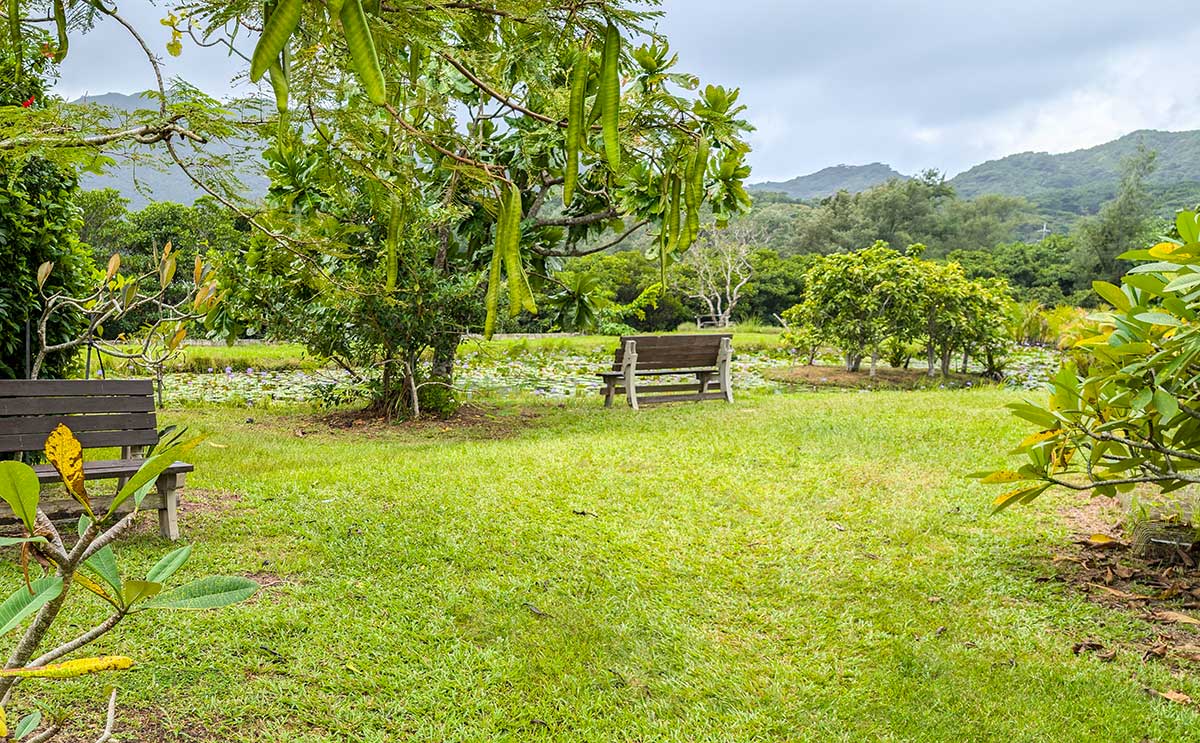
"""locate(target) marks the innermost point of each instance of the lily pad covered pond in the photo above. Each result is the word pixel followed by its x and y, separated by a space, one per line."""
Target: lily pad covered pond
pixel 554 374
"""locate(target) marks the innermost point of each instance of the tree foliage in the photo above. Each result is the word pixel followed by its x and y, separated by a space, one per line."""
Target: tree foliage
pixel 1129 414
pixel 878 301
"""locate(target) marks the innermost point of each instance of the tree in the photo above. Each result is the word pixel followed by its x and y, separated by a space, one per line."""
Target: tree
pixel 1130 415
pixel 1122 224
pixel 39 223
pixel 778 284
pixel 718 268
pixel 858 300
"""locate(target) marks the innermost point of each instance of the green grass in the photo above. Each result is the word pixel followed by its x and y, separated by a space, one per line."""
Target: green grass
pixel 756 572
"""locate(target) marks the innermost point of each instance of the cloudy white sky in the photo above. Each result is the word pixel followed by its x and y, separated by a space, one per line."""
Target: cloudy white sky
pixel 936 83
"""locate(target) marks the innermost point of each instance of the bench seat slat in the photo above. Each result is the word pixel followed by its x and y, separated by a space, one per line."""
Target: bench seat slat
pixel 107 469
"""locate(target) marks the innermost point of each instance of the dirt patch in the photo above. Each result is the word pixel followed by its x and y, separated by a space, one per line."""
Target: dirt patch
pixel 1164 591
pixel 200 500
pixel 145 726
pixel 886 378
pixel 469 422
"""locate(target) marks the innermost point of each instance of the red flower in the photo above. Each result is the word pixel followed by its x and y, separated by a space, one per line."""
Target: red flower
pixel 28 102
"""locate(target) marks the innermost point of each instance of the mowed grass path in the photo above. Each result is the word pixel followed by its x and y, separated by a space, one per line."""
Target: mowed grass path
pixel 789 568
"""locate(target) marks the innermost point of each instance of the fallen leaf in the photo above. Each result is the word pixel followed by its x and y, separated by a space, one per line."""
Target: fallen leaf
pixel 1188 652
pixel 935 599
pixel 1102 541
pixel 1123 595
pixel 1177 697
pixel 1158 651
pixel 1174 617
pixel 1107 655
pixel 1086 646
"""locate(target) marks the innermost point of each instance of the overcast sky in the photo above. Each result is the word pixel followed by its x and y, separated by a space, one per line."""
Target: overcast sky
pixel 918 84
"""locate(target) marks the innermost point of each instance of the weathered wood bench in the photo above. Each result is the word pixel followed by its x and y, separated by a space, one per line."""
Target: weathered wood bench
pixel 101 414
pixel 706 356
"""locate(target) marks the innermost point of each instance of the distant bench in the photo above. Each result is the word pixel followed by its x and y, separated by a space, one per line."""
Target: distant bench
pixel 706 356
pixel 101 414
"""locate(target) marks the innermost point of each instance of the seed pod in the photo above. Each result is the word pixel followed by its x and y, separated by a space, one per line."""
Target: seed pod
pixel 279 27
pixel 60 25
pixel 610 97
pixel 575 124
pixel 362 51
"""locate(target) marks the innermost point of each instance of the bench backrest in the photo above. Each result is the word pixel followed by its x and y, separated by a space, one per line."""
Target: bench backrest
pixel 673 351
pixel 99 413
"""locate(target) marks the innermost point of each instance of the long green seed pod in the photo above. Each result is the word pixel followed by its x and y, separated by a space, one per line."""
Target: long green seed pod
pixel 362 51
pixel 393 244
pixel 14 36
pixel 519 294
pixel 279 27
pixel 673 210
pixel 60 25
pixel 610 97
pixel 492 299
pixel 575 124
pixel 694 192
pixel 279 84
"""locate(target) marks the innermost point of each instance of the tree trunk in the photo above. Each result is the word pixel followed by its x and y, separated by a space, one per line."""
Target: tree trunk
pixel 853 362
pixel 874 359
pixel 946 361
pixel 966 359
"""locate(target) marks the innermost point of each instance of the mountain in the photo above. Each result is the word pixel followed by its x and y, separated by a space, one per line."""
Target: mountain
pixel 1079 182
pixel 153 176
pixel 827 182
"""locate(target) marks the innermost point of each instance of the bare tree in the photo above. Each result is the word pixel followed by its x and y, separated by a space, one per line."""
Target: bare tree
pixel 718 268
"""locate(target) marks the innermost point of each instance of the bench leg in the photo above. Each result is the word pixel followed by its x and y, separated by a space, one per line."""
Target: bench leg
pixel 610 391
pixel 724 357
pixel 703 378
pixel 168 511
pixel 629 367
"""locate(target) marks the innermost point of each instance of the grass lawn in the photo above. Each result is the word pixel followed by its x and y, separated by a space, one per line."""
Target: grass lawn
pixel 792 567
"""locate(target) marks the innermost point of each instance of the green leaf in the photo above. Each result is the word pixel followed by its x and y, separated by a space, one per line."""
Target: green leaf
pixel 1165 404
pixel 1180 283
pixel 148 473
pixel 27 725
pixel 1023 494
pixel 166 567
pixel 207 593
pixel 19 487
pixel 1158 318
pixel 139 590
pixel 1113 295
pixel 1189 230
pixel 13 541
pixel 22 604
pixel 104 564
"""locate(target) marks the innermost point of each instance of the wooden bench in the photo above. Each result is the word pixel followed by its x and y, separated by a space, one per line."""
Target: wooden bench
pixel 706 356
pixel 101 414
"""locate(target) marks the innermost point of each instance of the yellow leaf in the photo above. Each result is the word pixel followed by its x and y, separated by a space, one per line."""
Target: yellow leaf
pixel 198 272
pixel 92 586
pixel 3 723
pixel 1003 476
pixel 1102 540
pixel 114 265
pixel 73 668
pixel 66 454
pixel 44 273
pixel 1039 437
pixel 177 339
pixel 1004 501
